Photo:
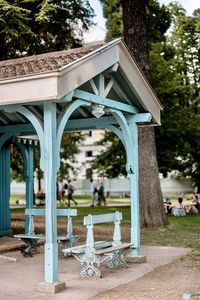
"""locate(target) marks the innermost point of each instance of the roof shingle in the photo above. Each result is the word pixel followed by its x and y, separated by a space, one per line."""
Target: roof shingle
pixel 42 63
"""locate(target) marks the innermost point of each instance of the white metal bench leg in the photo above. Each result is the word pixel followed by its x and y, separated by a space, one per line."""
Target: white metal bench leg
pixel 89 263
pixel 116 260
pixel 31 249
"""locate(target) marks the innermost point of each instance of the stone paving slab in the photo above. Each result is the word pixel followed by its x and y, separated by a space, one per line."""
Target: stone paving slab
pixel 20 279
pixel 9 244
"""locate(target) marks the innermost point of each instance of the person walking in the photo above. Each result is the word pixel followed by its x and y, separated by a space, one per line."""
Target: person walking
pixel 70 191
pixel 62 194
pixel 93 191
pixel 101 196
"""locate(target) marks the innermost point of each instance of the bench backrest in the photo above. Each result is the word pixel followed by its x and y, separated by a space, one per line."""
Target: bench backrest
pixel 104 218
pixel 90 220
pixel 60 212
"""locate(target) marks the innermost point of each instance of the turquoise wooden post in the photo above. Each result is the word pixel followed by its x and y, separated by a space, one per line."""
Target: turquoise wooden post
pixel 50 173
pixel 29 182
pixel 27 154
pixel 134 192
pixel 129 138
pixel 5 224
pixel 49 164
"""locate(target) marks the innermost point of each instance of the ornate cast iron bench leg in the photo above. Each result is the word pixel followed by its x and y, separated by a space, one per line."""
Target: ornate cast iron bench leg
pixel 31 249
pixel 116 259
pixel 89 263
pixel 69 242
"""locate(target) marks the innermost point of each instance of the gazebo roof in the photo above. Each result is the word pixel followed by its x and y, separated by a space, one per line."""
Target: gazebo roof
pixel 52 76
pixel 42 63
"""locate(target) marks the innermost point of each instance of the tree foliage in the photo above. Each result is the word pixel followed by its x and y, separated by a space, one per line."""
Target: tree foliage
pixel 38 26
pixel 30 27
pixel 174 75
pixel 112 11
pixel 69 148
pixel 179 89
pixel 114 153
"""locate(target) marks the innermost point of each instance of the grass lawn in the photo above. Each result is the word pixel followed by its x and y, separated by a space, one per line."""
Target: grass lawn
pixel 181 231
pixel 81 199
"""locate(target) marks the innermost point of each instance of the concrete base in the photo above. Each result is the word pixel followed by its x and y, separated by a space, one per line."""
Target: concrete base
pixel 51 288
pixel 136 259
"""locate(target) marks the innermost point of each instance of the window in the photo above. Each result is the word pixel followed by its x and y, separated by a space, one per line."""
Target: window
pixel 88 173
pixel 88 153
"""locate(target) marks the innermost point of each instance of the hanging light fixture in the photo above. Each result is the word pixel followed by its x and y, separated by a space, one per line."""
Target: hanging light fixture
pixel 98 110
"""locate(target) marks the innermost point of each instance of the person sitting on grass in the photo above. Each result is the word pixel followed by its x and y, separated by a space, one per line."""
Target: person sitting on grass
pixel 197 204
pixel 168 205
pixel 194 208
pixel 179 211
pixel 180 202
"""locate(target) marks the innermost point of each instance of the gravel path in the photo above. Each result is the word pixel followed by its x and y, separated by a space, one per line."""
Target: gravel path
pixel 169 282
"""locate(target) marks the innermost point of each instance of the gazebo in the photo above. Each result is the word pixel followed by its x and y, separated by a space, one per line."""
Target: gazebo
pixel 95 86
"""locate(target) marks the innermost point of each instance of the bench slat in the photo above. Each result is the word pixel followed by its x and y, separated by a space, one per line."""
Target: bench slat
pixel 35 211
pixel 59 212
pixel 65 212
pixel 113 248
pixel 97 219
pixel 40 237
pixel 29 236
pixel 81 248
pixel 63 238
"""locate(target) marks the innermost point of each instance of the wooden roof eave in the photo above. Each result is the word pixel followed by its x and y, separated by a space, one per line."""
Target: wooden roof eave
pixel 139 84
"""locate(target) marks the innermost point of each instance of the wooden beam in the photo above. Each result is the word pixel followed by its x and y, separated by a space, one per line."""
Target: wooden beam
pixel 93 85
pixel 105 101
pixel 67 97
pixel 108 87
pixel 112 69
pixel 17 128
pixel 140 118
pixel 90 123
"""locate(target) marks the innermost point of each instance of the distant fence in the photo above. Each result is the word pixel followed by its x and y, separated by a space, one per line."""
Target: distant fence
pixel 117 186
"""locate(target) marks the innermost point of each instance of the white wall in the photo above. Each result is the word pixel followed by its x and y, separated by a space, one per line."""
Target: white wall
pixel 169 186
pixel 175 186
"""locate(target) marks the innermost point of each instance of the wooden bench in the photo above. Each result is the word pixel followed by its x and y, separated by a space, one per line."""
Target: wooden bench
pixel 92 254
pixel 31 239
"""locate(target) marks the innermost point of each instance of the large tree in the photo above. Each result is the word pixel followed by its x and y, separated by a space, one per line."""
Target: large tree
pixel 136 37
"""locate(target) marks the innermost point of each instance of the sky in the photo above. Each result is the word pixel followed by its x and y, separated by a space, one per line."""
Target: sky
pixel 98 33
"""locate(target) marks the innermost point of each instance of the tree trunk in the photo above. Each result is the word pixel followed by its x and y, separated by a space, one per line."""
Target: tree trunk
pixel 152 212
